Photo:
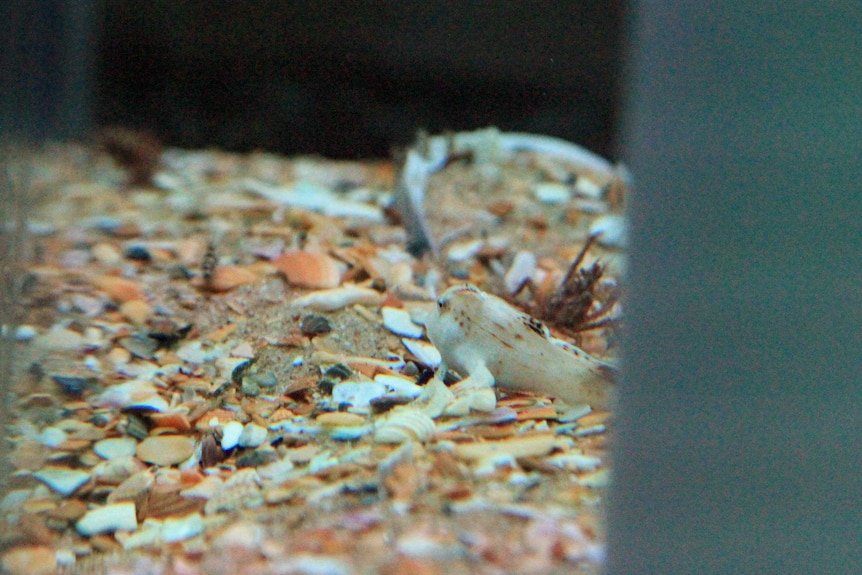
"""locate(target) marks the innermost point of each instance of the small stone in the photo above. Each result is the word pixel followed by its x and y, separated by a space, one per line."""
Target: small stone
pixel 166 450
pixel 140 346
pixel 138 253
pixel 115 447
pixel 257 458
pixel 62 480
pixel 230 435
pixel 30 560
pixel 314 324
pixel 107 519
pixel 136 311
pixel 252 435
pixel 398 321
pixel 250 387
pixel 264 379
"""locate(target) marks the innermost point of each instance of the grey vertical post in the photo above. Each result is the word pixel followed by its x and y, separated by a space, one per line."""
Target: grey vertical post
pixel 739 445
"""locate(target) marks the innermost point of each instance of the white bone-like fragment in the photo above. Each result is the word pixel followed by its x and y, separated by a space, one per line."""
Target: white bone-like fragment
pixel 340 297
pixel 484 338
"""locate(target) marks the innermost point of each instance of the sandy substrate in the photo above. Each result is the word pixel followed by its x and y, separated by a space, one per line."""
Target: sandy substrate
pixel 176 408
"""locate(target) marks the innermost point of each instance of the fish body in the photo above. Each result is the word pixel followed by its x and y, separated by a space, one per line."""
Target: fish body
pixel 478 333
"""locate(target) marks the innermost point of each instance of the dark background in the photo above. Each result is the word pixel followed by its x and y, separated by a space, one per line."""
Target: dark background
pixel 337 79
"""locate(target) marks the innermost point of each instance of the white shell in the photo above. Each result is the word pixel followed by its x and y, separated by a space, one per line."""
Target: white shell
pixel 424 351
pixel 114 517
pixel 115 447
pixel 230 435
pixel 613 229
pixel 552 192
pixel 404 424
pixel 62 480
pixel 357 393
pixel 180 528
pixel 397 320
pixel 337 298
pixel 523 267
pixel 252 435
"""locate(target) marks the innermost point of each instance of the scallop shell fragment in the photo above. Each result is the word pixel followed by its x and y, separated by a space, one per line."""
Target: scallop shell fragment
pixel 404 424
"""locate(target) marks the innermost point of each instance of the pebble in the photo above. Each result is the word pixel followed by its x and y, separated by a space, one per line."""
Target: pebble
pixel 552 193
pixel 166 450
pixel 230 435
pixel 252 435
pixel 30 560
pixel 250 387
pixel 425 352
pixel 397 320
pixel 116 447
pixel 62 480
pixel 313 324
pixel 107 519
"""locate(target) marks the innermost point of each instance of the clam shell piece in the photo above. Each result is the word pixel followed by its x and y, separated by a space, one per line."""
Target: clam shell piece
pixel 404 424
pixel 107 519
pixel 398 321
pixel 340 297
pixel 309 269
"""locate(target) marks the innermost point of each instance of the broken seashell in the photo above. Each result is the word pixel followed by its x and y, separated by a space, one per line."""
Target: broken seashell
pixel 309 269
pixel 337 298
pixel 230 435
pixel 425 352
pixel 166 450
pixel 113 517
pixel 398 321
pixel 120 289
pixel 404 424
pixel 62 480
pixel 115 448
pixel 613 230
pixel 523 267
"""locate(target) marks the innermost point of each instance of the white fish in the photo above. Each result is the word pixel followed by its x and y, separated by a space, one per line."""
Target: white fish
pixel 490 342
